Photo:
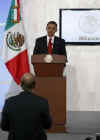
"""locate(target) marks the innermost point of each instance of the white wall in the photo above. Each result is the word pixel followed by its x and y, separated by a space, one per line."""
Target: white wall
pixel 83 76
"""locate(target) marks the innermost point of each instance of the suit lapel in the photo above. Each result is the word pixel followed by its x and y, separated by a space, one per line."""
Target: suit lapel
pixel 55 40
pixel 54 45
pixel 45 44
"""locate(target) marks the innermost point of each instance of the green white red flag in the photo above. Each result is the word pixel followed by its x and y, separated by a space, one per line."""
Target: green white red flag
pixel 14 52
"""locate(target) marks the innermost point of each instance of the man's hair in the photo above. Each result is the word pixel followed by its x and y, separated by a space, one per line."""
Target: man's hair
pixel 52 22
pixel 27 84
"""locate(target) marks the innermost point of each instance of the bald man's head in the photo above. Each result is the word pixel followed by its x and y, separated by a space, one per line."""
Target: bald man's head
pixel 28 82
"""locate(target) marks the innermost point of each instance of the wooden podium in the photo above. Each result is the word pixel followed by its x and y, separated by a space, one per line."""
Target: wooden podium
pixel 52 85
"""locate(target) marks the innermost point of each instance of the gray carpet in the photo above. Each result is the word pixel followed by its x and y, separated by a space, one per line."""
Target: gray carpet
pixel 83 121
pixel 70 136
pixel 57 136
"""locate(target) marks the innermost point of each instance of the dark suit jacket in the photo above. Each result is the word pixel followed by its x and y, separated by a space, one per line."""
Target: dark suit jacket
pixel 58 46
pixel 26 116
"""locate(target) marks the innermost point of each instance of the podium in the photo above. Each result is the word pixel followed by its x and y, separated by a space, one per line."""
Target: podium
pixel 51 85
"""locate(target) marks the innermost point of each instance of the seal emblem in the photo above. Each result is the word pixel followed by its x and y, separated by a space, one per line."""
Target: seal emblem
pixel 15 40
pixel 89 23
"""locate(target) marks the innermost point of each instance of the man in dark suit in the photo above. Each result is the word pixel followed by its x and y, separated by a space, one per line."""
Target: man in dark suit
pixel 57 44
pixel 26 115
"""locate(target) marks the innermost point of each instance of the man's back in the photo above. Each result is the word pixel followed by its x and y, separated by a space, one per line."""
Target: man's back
pixel 25 116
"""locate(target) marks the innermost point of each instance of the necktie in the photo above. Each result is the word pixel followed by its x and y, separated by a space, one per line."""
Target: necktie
pixel 50 47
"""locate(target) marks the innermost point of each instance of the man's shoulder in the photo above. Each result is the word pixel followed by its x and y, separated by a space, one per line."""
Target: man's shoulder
pixel 39 99
pixel 23 95
pixel 42 99
pixel 16 96
pixel 59 38
pixel 41 38
pixel 12 98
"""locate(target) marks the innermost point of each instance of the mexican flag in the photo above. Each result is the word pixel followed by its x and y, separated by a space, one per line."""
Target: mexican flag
pixel 14 52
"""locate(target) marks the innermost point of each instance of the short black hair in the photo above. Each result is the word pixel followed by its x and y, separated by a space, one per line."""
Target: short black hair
pixel 52 22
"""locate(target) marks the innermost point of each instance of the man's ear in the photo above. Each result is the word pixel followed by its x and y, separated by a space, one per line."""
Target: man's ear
pixel 46 28
pixel 21 84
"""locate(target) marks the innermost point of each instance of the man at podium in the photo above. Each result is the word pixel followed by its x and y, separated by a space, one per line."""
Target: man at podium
pixel 49 69
pixel 50 44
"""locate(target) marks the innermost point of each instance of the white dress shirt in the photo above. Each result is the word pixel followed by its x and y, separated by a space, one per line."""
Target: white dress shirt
pixel 52 40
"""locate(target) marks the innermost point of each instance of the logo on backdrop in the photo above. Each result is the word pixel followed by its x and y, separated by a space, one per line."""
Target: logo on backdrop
pixel 15 40
pixel 89 23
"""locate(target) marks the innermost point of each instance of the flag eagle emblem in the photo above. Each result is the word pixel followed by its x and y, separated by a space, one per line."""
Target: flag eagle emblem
pixel 15 40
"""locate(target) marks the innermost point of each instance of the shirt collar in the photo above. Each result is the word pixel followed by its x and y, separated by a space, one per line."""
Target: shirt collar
pixel 51 40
